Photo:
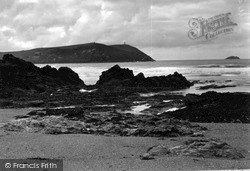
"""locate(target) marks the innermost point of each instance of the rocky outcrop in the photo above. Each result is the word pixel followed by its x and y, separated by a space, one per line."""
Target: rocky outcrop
pixel 114 75
pixel 83 53
pixel 215 107
pixel 214 86
pixel 124 77
pixel 63 74
pixel 205 148
pixel 232 57
pixel 17 73
pixel 155 151
pixel 79 121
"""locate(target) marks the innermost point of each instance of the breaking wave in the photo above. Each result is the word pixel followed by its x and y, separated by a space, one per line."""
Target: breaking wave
pixel 222 66
pixel 209 66
pixel 220 74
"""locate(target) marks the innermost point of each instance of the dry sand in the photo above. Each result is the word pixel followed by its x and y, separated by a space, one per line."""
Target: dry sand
pixel 90 152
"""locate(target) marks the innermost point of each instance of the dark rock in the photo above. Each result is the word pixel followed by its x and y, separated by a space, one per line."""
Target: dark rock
pixel 233 57
pixel 140 76
pixel 35 103
pixel 117 76
pixel 214 86
pixel 6 103
pixel 63 73
pixel 19 74
pixel 69 76
pixel 49 71
pixel 9 59
pixel 192 99
pixel 215 107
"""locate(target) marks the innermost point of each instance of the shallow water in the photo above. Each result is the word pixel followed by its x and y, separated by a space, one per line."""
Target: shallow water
pixel 137 110
pixel 86 91
pixel 167 101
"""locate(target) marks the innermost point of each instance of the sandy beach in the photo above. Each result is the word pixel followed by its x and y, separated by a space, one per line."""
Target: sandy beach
pixel 91 152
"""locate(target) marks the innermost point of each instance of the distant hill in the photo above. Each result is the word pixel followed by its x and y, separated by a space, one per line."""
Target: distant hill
pixel 82 53
pixel 233 57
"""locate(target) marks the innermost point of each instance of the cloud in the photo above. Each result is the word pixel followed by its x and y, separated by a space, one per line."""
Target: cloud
pixel 28 1
pixel 148 24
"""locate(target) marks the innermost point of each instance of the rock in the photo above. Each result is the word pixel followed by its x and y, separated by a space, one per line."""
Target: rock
pixel 35 103
pixel 6 103
pixel 214 86
pixel 19 74
pixel 146 156
pixel 155 151
pixel 205 148
pixel 140 76
pixel 53 130
pixel 46 124
pixel 208 148
pixel 49 71
pixel 117 76
pixel 69 76
pixel 197 134
pixel 192 99
pixel 78 121
pixel 65 74
pixel 232 57
pixel 9 59
pixel 215 107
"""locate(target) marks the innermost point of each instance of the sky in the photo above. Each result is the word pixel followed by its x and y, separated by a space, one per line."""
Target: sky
pixel 157 27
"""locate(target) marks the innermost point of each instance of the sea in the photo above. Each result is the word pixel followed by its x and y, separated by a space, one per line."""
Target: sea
pixel 207 72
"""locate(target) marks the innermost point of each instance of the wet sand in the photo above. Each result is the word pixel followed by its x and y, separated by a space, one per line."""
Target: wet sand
pixel 8 114
pixel 91 152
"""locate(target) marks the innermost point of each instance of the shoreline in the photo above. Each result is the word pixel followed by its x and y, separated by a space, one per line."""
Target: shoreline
pixel 117 125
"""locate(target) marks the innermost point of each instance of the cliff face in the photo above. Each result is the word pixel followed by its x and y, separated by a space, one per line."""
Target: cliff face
pixel 84 53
